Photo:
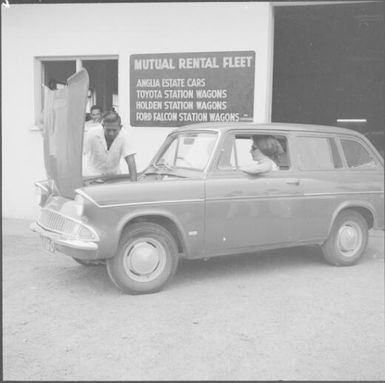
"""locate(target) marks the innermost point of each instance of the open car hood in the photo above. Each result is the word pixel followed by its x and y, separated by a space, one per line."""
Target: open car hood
pixel 64 119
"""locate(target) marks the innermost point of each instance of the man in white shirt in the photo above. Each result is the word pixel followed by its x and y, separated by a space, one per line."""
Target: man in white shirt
pixel 96 118
pixel 106 145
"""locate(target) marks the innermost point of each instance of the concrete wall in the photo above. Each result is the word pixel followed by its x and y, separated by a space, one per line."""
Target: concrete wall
pixel 30 31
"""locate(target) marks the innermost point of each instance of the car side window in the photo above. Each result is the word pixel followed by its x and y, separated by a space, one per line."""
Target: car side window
pixel 317 153
pixel 356 155
pixel 236 151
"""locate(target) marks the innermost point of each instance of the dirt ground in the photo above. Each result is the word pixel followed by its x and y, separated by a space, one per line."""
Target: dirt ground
pixel 280 315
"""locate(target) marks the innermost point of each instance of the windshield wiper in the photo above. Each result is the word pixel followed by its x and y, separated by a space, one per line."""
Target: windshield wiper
pixel 161 169
pixel 157 168
pixel 163 165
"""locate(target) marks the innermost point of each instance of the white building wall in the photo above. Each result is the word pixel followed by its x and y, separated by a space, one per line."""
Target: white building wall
pixel 30 31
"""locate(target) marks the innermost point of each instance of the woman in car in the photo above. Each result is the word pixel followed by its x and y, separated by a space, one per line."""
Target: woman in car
pixel 265 152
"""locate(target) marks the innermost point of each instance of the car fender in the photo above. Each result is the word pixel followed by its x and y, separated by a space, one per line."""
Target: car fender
pixel 158 212
pixel 352 204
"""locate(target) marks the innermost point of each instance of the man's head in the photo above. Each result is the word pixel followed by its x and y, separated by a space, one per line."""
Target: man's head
pixel 96 113
pixel 112 125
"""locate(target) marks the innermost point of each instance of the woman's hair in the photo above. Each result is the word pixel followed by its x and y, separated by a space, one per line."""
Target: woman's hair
pixel 269 146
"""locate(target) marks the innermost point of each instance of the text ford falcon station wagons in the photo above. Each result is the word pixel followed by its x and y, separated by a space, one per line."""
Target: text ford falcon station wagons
pixel 195 201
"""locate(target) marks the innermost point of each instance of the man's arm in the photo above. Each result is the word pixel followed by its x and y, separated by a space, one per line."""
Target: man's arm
pixel 131 166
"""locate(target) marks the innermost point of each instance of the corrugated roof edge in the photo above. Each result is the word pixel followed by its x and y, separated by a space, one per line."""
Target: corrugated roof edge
pixel 271 125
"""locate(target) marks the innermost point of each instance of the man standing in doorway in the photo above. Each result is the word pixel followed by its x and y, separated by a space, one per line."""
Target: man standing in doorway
pixel 106 145
pixel 96 118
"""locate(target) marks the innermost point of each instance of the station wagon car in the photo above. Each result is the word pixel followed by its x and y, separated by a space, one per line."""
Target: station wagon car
pixel 193 201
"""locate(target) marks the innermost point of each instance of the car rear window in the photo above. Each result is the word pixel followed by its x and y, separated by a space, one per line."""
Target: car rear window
pixel 356 155
pixel 317 153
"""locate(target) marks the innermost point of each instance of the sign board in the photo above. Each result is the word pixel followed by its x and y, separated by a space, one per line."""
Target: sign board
pixel 175 89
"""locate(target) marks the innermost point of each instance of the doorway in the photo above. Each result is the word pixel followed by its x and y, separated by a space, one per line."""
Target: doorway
pixel 329 66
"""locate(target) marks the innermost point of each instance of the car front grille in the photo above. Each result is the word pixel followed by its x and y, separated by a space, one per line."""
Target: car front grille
pixel 54 221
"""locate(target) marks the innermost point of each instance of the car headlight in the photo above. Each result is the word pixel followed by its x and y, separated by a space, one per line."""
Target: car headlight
pixel 79 205
pixel 41 194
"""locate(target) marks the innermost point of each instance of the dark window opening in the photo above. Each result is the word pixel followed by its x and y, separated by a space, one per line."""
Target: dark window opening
pixel 103 87
pixel 57 72
pixel 329 65
pixel 103 84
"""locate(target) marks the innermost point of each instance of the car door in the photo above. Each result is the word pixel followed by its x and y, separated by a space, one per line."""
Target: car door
pixel 245 212
pixel 320 170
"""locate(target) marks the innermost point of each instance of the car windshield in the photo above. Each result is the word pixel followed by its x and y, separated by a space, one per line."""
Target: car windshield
pixel 189 150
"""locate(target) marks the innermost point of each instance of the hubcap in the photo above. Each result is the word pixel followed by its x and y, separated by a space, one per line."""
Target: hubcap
pixel 349 239
pixel 145 259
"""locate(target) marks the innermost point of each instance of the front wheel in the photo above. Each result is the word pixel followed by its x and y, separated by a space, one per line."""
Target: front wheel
pixel 146 259
pixel 347 240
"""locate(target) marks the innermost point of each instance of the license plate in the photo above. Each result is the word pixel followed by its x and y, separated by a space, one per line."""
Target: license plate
pixel 48 244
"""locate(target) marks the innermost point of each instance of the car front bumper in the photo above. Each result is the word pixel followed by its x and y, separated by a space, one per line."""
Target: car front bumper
pixel 62 243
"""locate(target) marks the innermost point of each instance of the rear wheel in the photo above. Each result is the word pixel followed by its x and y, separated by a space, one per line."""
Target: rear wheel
pixel 146 260
pixel 347 240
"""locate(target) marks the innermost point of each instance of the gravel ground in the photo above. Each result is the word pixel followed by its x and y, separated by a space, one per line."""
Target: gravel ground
pixel 278 315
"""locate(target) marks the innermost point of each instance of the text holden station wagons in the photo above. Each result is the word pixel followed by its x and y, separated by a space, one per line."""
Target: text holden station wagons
pixel 193 201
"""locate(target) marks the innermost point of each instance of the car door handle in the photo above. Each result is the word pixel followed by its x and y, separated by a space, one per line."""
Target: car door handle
pixel 293 182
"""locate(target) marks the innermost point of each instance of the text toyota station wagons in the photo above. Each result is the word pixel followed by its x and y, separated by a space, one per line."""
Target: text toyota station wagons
pixel 195 201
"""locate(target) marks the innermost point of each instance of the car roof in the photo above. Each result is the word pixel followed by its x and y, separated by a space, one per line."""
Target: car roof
pixel 225 126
